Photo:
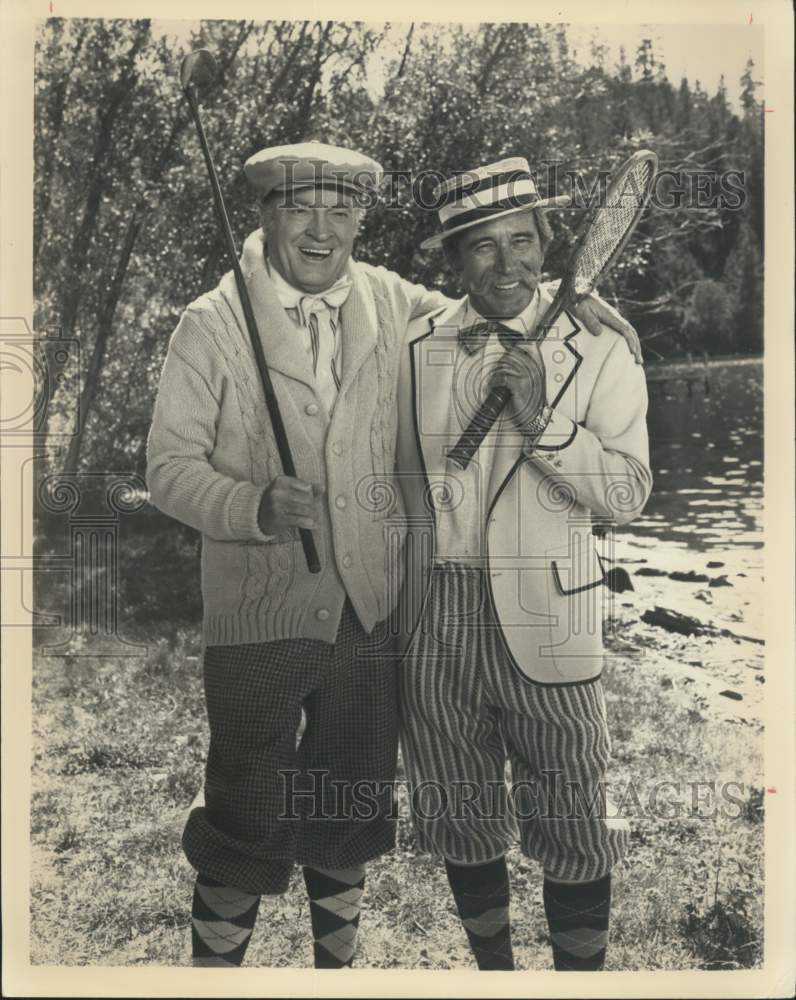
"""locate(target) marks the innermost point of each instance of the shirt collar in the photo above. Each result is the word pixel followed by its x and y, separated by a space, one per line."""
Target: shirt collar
pixel 292 297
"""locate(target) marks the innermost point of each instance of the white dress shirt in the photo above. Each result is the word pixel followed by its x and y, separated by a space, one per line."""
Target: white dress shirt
pixel 318 316
pixel 461 515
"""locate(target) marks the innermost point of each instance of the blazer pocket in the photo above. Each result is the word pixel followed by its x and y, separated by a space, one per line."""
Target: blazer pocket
pixel 576 609
pixel 577 567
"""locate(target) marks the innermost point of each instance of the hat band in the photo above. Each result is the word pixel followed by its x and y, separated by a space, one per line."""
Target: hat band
pixel 476 214
pixel 472 185
pixel 512 191
pixel 327 184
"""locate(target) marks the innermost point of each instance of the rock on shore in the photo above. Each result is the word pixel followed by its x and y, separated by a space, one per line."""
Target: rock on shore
pixel 695 619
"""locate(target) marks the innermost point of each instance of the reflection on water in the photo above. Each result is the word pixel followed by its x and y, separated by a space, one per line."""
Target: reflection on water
pixel 707 460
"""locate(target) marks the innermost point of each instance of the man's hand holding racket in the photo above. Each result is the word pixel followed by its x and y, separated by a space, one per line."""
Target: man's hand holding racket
pixel 522 371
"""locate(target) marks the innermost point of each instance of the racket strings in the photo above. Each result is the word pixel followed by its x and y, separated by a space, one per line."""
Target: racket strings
pixel 613 219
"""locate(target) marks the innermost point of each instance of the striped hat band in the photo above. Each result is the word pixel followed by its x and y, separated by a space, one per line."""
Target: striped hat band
pixel 486 193
pixel 515 187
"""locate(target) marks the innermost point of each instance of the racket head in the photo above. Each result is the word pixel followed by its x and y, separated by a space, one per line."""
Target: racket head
pixel 608 227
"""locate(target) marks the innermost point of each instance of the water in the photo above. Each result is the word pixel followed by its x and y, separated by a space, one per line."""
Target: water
pixel 706 453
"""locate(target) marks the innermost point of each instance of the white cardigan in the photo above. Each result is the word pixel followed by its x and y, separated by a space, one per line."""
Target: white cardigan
pixel 211 454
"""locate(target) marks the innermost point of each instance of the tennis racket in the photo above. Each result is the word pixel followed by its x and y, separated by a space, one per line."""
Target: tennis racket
pixel 602 237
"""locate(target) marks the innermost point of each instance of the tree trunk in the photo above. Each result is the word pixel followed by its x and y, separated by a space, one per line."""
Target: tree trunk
pixel 120 91
pixel 407 47
pixel 56 116
pixel 104 326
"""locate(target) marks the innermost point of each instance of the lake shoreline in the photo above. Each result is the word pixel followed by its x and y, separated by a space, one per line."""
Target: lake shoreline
pixel 718 673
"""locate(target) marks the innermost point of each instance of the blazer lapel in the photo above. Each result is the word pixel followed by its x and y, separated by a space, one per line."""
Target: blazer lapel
pixel 433 358
pixel 561 357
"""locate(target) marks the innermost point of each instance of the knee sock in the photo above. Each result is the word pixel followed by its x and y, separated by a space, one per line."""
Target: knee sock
pixel 482 899
pixel 335 896
pixel 222 920
pixel 578 915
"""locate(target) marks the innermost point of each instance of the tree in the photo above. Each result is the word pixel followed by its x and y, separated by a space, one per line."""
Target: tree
pixel 124 234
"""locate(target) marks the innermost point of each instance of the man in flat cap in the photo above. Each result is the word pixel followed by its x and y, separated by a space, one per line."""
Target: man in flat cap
pixel 281 643
pixel 503 585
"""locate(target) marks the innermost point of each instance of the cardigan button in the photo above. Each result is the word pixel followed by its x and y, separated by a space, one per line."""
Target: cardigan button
pixel 322 614
pixel 337 448
pixel 340 502
pixel 311 409
pixel 347 561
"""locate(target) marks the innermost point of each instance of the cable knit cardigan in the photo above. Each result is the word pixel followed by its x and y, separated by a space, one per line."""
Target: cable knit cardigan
pixel 211 454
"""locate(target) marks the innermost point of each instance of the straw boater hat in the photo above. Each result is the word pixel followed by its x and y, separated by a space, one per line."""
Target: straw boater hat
pixel 484 194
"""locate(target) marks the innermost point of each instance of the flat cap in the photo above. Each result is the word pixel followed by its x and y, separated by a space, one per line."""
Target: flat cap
pixel 312 164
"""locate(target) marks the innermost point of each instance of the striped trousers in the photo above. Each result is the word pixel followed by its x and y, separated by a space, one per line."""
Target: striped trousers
pixel 468 716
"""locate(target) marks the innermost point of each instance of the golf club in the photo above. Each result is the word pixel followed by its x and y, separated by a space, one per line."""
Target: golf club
pixel 199 69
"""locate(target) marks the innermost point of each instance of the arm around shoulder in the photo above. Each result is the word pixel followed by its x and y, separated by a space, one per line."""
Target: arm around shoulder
pixel 605 460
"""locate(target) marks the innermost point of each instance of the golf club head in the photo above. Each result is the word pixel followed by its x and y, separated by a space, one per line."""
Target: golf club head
pixel 198 68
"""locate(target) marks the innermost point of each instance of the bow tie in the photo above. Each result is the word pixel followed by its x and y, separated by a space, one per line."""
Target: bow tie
pixel 293 298
pixel 332 298
pixel 473 338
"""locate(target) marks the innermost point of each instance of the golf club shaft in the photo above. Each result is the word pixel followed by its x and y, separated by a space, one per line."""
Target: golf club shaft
pixel 285 456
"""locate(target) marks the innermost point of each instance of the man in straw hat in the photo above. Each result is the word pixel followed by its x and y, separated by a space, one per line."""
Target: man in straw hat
pixel 502 598
pixel 282 643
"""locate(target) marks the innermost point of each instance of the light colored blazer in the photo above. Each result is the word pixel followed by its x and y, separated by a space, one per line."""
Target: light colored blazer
pixel 590 465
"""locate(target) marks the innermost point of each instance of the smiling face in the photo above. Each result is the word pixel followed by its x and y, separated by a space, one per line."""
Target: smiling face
pixel 310 234
pixel 500 263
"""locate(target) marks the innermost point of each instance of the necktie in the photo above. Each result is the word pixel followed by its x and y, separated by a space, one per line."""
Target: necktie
pixel 320 314
pixel 474 338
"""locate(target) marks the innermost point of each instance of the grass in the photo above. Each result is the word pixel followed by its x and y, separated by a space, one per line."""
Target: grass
pixel 119 751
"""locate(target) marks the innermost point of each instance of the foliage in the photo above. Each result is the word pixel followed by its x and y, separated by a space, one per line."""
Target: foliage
pixel 124 235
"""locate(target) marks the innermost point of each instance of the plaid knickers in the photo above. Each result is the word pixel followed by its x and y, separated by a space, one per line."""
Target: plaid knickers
pixel 270 802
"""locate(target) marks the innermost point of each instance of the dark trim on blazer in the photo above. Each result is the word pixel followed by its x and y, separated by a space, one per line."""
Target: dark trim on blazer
pixel 415 424
pixel 574 352
pixel 522 458
pixel 575 590
pixel 509 656
pixel 578 362
pixel 525 458
pixel 427 492
pixel 557 447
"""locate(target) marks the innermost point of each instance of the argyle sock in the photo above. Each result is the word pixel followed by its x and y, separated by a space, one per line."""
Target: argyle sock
pixel 482 899
pixel 578 915
pixel 335 896
pixel 222 920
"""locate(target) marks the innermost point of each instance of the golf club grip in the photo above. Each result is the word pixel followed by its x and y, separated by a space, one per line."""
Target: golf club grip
pixel 478 428
pixel 481 424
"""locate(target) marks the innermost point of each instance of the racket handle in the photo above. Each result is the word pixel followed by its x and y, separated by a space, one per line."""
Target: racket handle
pixel 310 552
pixel 479 426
